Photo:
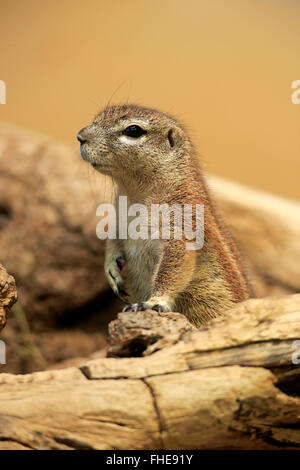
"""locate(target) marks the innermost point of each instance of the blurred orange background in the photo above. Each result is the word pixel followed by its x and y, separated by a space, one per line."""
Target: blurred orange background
pixel 225 68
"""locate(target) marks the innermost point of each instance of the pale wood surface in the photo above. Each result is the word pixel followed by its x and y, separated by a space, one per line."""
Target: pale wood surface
pixel 214 388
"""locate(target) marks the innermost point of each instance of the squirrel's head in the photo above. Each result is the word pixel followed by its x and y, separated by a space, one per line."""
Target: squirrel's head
pixel 132 140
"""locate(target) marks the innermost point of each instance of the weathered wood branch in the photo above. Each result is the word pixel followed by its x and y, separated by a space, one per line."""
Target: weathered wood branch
pixel 8 295
pixel 230 385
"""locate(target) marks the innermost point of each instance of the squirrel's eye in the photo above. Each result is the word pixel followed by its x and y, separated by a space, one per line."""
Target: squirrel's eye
pixel 134 131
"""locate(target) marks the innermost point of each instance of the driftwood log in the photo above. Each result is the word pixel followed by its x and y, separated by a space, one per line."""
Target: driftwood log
pixel 233 385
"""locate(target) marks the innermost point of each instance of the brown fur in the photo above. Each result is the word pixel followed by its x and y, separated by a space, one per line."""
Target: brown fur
pixel 153 169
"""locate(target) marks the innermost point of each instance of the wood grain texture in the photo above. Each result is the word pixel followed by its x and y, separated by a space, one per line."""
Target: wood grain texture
pixel 214 388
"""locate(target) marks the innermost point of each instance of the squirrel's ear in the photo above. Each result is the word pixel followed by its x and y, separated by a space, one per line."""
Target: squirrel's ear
pixel 174 137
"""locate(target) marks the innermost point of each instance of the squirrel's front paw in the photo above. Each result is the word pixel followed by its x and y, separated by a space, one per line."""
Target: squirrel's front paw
pixel 159 304
pixel 113 272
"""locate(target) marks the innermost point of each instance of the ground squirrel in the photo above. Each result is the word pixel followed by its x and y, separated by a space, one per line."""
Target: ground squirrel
pixel 150 157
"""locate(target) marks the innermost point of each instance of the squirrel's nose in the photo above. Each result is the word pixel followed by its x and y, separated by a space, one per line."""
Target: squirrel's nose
pixel 80 138
pixel 84 134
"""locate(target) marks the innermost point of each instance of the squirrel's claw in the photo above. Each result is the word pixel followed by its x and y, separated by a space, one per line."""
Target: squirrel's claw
pixel 140 307
pixel 113 273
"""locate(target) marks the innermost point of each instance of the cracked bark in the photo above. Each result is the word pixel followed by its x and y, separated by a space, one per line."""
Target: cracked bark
pixel 159 419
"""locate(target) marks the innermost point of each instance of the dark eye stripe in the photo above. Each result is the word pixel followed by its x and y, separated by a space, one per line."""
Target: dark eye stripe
pixel 134 131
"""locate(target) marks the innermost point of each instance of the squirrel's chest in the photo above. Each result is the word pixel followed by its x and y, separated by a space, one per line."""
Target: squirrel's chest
pixel 142 258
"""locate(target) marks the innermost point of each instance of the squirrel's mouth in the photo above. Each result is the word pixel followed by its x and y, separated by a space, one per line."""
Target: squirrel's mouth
pixel 102 165
pixel 83 154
